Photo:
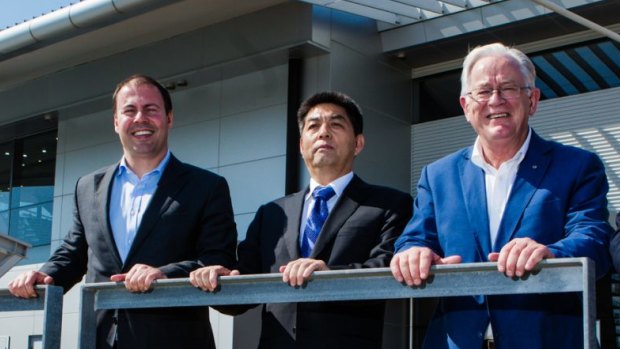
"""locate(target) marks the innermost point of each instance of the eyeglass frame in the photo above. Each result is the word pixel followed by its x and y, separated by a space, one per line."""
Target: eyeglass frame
pixel 500 92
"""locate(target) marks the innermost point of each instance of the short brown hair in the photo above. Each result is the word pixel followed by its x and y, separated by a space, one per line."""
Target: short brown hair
pixel 140 79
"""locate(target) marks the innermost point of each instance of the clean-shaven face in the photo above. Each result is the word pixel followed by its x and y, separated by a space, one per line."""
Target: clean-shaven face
pixel 141 121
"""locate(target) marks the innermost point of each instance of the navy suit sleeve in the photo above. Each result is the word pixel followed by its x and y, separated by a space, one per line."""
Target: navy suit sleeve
pixel 587 231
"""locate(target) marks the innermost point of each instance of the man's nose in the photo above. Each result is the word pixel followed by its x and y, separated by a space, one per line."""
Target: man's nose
pixel 496 97
pixel 139 117
pixel 324 131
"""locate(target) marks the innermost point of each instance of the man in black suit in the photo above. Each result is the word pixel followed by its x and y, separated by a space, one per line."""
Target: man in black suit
pixel 359 232
pixel 148 217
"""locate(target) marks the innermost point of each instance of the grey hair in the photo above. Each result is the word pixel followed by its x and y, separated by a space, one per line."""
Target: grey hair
pixel 497 49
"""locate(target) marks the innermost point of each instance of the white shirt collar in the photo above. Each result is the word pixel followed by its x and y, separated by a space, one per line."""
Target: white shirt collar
pixel 478 159
pixel 338 184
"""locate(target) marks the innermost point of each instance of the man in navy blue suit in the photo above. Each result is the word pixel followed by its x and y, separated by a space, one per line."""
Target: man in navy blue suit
pixel 512 198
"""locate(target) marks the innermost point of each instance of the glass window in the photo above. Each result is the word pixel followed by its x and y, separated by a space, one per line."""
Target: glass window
pixel 27 167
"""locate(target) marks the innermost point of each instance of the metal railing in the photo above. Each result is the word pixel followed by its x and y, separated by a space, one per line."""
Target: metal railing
pixel 552 276
pixel 12 251
pixel 50 301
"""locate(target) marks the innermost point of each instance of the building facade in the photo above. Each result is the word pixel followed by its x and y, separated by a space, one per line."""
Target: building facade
pixel 237 71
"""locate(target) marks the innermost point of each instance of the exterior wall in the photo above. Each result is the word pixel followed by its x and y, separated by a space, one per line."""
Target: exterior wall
pixel 232 127
pixel 231 119
pixel 356 67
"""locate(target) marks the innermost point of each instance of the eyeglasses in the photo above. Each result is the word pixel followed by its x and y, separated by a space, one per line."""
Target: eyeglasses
pixel 506 92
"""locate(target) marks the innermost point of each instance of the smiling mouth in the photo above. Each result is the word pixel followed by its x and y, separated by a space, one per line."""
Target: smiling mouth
pixel 142 133
pixel 497 116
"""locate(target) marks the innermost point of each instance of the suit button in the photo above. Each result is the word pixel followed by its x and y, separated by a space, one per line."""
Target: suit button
pixel 480 335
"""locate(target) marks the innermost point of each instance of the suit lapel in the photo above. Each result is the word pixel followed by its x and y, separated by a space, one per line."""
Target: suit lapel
pixel 475 202
pixel 103 191
pixel 531 172
pixel 340 213
pixel 293 208
pixel 169 184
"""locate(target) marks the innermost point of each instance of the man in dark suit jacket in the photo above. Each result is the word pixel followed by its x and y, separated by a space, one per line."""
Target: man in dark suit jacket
pixel 359 232
pixel 148 217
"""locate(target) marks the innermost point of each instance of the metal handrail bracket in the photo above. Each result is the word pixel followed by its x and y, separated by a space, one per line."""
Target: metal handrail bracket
pixel 551 276
pixel 50 301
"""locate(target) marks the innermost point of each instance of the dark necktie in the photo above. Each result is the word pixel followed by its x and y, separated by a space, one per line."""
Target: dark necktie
pixel 317 218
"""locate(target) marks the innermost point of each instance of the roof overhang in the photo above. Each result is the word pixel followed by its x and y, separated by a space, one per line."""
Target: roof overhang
pixel 93 29
pixel 424 32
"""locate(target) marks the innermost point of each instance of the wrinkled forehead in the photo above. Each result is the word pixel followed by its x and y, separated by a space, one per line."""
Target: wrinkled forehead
pixel 326 111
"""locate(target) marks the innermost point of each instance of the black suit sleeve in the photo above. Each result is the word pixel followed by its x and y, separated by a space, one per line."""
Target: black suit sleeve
pixel 250 251
pixel 614 247
pixel 396 215
pixel 68 263
pixel 249 260
pixel 217 235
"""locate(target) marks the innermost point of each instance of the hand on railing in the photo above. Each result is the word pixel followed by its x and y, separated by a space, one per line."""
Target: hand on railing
pixel 297 272
pixel 413 265
pixel 139 278
pixel 206 278
pixel 519 256
pixel 24 285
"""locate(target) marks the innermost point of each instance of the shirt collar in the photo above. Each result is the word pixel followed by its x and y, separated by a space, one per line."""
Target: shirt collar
pixel 338 184
pixel 123 168
pixel 478 159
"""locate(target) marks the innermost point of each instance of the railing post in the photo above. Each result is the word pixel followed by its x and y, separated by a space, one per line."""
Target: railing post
pixel 589 304
pixel 52 317
pixel 88 320
pixel 50 301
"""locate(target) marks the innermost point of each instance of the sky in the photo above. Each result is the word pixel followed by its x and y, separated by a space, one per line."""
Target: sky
pixel 16 11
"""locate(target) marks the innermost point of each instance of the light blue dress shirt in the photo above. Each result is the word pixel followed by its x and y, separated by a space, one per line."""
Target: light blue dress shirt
pixel 129 199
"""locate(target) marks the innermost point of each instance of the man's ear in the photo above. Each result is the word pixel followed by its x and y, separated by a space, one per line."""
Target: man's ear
pixel 463 102
pixel 534 98
pixel 359 143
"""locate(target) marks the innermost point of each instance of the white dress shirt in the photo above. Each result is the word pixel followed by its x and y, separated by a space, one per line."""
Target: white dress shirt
pixel 498 185
pixel 498 182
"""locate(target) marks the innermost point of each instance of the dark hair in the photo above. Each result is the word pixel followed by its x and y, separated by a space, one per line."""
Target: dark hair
pixel 139 79
pixel 354 113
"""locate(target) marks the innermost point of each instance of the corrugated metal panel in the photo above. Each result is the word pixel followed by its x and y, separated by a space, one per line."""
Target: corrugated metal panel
pixel 433 140
pixel 590 121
